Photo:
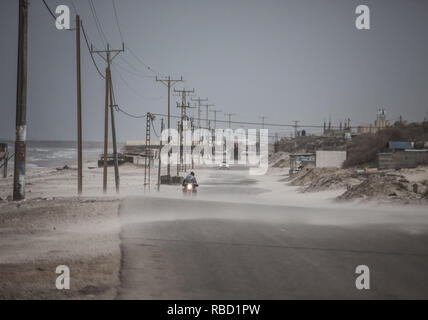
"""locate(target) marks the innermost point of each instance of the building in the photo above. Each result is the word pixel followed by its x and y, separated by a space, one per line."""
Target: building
pixel 338 131
pixel 379 124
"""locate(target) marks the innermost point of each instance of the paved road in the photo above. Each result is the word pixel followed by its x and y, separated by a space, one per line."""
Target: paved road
pixel 195 248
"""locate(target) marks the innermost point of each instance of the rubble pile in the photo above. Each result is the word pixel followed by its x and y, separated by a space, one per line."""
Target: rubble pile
pixel 279 160
pixel 363 184
pixel 320 179
pixel 383 185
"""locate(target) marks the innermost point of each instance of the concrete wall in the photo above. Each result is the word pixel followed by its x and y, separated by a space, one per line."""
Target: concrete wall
pixel 330 159
pixel 402 159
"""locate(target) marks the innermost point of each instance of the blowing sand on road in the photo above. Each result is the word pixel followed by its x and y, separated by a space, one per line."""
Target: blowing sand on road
pixel 213 159
pixel 241 237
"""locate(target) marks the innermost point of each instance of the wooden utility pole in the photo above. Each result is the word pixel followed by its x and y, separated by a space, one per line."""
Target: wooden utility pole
pixel 215 116
pixel 183 92
pixel 113 133
pixel 192 128
pixel 263 121
pixel 21 104
pixel 147 163
pixel 213 132
pixel 295 127
pixel 106 133
pixel 207 109
pixel 108 59
pixel 159 164
pixel 199 100
pixel 229 115
pixel 169 83
pixel 79 110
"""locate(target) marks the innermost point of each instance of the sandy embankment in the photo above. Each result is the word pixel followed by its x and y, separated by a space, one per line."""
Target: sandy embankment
pixel 402 186
pixel 55 227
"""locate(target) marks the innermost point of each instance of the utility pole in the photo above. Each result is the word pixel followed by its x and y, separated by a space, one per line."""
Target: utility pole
pixel 159 164
pixel 147 154
pixel 192 128
pixel 108 58
pixel 183 107
pixel 199 116
pixel 169 83
pixel 183 117
pixel 263 121
pixel 207 108
pixel 199 100
pixel 214 127
pixel 215 116
pixel 295 127
pixel 229 115
pixel 113 133
pixel 79 110
pixel 106 133
pixel 21 104
pixel 178 163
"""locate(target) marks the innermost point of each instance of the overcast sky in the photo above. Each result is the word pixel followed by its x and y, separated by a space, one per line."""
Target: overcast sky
pixel 283 59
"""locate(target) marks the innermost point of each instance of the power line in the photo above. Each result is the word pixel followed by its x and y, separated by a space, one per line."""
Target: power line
pixel 130 114
pixel 133 89
pixel 84 35
pixel 154 130
pixel 142 62
pixel 89 50
pixel 137 71
pixel 50 11
pixel 127 47
pixel 117 20
pixel 74 6
pixel 97 23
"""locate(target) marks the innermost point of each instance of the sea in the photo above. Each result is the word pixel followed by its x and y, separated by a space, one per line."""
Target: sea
pixel 53 154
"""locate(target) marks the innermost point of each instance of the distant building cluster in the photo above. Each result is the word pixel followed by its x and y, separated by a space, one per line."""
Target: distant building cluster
pixel 338 131
pixel 379 124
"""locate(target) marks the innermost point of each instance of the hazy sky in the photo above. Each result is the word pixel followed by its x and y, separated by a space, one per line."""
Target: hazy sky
pixel 284 59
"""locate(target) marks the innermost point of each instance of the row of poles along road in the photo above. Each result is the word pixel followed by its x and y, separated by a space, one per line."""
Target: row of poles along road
pixel 108 55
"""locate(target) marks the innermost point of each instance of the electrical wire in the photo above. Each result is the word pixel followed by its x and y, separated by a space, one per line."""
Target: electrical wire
pixel 119 108
pixel 50 11
pixel 84 35
pixel 117 20
pixel 130 114
pixel 90 53
pixel 130 50
pixel 137 72
pixel 154 130
pixel 98 24
pixel 132 89
pixel 142 62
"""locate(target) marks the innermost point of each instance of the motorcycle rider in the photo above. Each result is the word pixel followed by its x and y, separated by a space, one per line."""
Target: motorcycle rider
pixel 190 179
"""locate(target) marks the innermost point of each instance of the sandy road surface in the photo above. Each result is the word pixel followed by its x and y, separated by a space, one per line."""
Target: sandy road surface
pixel 230 243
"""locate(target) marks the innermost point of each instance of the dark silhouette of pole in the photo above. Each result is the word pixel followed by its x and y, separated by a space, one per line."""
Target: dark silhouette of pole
pixel 21 104
pixel 106 133
pixel 199 100
pixel 159 164
pixel 229 115
pixel 169 83
pixel 215 116
pixel 113 134
pixel 207 108
pixel 108 59
pixel 263 121
pixel 79 110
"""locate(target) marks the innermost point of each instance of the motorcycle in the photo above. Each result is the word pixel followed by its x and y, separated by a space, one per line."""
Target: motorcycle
pixel 190 188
